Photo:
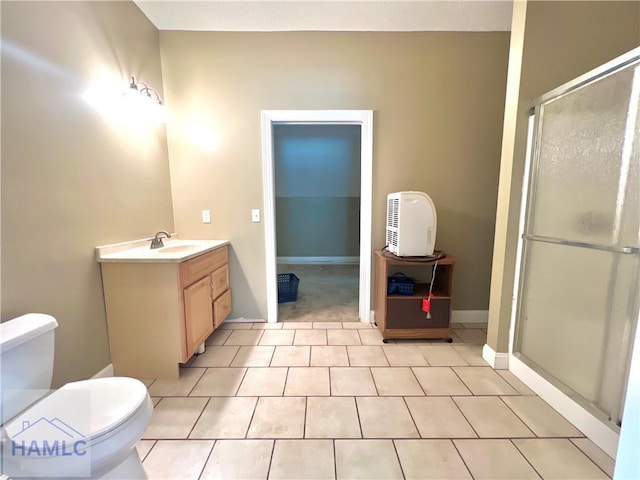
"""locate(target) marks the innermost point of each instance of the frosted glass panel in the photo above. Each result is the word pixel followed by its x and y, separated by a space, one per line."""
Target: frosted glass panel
pixel 578 294
pixel 585 170
pixel 574 312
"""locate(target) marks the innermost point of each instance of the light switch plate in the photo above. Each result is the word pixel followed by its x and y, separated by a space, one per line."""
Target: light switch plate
pixel 255 215
pixel 206 216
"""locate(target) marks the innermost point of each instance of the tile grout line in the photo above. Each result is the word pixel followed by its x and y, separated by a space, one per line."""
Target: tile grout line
pixel 465 385
pixel 204 370
pixel 404 399
pixel 273 354
pixel 286 379
pixel 395 449
pixel 525 458
pixel 464 462
pixel 335 459
pixel 197 419
pixel 516 389
pixel 535 435
pixel 425 358
pixel 235 356
pixel 589 457
pixel 207 460
pixel 147 454
pixel 244 375
pixel 417 381
pixel 355 400
pixel 253 413
pixel 385 355
pixel 304 420
pixel 373 380
pixel 464 416
pixel 273 447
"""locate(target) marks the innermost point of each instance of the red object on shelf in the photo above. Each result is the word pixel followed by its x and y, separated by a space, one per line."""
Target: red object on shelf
pixel 426 304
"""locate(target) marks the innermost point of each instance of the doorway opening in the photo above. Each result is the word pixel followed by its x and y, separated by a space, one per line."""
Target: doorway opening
pixel 317 188
pixel 275 122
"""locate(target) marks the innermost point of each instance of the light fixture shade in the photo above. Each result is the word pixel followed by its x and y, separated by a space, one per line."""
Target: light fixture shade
pixel 144 101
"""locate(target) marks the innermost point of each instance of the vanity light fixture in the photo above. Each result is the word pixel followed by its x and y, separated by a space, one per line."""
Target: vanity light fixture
pixel 144 91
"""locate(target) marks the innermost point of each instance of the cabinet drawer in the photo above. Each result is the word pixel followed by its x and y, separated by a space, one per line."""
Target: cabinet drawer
pixel 222 308
pixel 198 267
pixel 220 281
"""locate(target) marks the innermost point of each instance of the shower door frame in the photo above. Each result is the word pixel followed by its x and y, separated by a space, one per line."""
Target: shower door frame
pixel 591 422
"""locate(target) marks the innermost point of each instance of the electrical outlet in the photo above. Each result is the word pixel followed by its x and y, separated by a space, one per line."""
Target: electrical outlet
pixel 255 215
pixel 206 216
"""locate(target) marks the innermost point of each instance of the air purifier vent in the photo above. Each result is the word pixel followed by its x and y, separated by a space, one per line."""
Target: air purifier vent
pixel 411 224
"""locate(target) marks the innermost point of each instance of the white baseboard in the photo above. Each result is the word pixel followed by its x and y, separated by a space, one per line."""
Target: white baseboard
pixel 244 320
pixel 106 372
pixel 319 260
pixel 470 316
pixel 498 361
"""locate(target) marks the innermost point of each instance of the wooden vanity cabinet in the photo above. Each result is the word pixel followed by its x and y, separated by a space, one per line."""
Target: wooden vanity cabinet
pixel 158 314
pixel 205 279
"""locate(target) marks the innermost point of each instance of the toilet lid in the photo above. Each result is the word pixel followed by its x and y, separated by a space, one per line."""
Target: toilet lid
pixel 86 409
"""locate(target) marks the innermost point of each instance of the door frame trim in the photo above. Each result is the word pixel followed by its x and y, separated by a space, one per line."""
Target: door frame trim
pixel 364 118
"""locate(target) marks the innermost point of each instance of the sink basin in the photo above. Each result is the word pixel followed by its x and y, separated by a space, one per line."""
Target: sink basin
pixel 176 248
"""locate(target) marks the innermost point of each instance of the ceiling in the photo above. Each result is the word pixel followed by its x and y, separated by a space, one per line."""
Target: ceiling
pixel 332 15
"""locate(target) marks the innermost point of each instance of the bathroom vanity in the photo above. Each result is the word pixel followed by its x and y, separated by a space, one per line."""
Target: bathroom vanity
pixel 162 304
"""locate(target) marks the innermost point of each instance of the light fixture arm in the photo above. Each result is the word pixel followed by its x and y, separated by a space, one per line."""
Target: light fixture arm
pixel 144 90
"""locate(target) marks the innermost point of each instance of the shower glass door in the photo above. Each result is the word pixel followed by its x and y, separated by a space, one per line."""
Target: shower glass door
pixel 577 301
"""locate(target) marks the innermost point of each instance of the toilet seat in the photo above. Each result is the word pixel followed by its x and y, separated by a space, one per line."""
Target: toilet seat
pixel 91 409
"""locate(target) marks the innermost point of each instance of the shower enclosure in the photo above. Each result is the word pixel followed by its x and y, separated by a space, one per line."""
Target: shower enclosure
pixel 578 290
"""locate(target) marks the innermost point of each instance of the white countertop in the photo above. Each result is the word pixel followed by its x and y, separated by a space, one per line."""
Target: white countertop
pixel 175 250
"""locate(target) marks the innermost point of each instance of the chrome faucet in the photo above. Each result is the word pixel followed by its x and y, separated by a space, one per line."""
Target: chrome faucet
pixel 156 242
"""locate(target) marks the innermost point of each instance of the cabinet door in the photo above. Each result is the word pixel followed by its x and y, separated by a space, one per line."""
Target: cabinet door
pixel 198 314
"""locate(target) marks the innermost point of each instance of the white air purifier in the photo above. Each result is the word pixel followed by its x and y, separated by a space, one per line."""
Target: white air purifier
pixel 411 224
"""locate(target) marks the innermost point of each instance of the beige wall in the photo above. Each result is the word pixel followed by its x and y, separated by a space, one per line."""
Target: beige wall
pixel 556 42
pixel 438 100
pixel 74 177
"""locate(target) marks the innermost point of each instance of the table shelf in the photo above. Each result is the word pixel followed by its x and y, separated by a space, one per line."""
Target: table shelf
pixel 401 316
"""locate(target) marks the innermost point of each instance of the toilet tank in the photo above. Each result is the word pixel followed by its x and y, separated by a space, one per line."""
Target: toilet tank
pixel 26 361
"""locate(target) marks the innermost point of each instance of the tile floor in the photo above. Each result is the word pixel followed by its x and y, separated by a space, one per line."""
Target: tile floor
pixel 330 400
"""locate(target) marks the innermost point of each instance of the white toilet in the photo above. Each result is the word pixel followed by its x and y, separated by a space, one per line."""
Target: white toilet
pixel 86 429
